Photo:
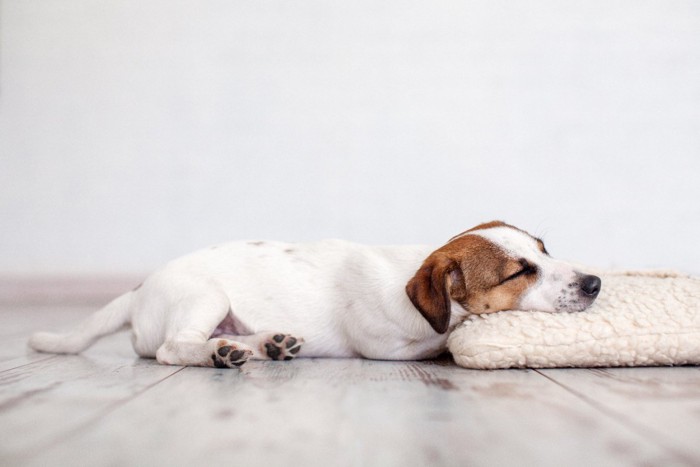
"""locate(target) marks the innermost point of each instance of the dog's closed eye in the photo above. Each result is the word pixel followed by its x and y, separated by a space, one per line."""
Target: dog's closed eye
pixel 525 269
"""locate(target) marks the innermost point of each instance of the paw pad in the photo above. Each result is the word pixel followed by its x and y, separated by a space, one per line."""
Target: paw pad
pixel 283 347
pixel 228 356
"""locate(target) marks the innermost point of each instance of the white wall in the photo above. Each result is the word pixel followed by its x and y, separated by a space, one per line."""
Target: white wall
pixel 134 131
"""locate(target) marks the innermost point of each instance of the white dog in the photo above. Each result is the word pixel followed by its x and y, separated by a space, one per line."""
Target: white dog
pixel 223 305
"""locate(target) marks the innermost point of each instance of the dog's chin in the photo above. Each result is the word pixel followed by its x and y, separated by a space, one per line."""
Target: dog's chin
pixel 574 306
pixel 561 306
pixel 568 308
pixel 577 306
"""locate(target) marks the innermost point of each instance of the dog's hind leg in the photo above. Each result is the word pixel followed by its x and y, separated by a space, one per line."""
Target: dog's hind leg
pixel 221 353
pixel 187 340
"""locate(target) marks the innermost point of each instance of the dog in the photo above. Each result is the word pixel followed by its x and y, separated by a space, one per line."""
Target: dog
pixel 269 300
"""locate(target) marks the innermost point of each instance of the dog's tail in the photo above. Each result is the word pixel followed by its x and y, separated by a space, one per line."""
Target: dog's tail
pixel 107 320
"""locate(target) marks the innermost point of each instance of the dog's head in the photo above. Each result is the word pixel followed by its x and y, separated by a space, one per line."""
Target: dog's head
pixel 495 267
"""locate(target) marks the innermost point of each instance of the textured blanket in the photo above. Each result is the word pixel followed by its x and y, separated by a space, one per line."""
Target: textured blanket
pixel 639 319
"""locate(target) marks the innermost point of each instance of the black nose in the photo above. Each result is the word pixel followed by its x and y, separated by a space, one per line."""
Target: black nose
pixel 590 285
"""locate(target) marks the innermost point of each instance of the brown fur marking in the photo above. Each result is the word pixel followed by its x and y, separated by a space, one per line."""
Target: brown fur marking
pixel 470 270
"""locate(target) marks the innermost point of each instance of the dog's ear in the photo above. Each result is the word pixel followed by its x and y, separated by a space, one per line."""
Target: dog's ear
pixel 428 289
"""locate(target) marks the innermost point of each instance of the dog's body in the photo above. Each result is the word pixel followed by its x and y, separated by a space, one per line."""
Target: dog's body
pixel 343 299
pixel 222 305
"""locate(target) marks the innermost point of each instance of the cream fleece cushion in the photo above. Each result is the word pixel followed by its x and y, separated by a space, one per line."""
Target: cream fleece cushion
pixel 639 319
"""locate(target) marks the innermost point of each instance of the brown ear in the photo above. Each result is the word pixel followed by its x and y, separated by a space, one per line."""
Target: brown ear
pixel 428 290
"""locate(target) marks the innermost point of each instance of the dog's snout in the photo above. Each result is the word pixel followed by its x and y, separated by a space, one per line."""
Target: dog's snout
pixel 590 285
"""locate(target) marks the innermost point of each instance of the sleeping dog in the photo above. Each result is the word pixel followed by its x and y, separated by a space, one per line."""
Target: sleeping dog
pixel 263 300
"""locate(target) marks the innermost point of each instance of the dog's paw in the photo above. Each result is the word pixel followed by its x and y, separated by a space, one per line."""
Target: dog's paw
pixel 283 346
pixel 229 355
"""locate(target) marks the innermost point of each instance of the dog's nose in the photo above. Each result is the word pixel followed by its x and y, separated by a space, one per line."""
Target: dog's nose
pixel 590 285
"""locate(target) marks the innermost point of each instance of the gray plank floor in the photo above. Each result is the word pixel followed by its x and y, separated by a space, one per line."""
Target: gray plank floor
pixel 107 407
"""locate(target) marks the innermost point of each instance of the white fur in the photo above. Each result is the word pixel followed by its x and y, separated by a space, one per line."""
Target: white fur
pixel 344 299
pixel 341 298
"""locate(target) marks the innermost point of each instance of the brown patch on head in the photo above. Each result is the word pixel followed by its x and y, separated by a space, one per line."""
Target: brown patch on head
pixel 490 280
pixel 487 225
pixel 491 225
pixel 485 297
pixel 494 224
pixel 474 272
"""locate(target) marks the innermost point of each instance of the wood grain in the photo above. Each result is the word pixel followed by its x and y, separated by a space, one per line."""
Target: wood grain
pixel 107 407
pixel 659 403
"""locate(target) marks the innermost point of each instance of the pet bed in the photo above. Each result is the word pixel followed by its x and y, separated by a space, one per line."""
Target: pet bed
pixel 639 319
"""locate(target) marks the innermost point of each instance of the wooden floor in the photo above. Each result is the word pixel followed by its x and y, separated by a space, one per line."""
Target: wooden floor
pixel 108 407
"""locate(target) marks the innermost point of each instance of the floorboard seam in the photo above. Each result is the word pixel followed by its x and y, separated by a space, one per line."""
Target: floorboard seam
pixel 639 429
pixel 48 357
pixel 101 414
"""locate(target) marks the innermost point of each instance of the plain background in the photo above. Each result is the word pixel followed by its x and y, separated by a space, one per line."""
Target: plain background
pixel 134 131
